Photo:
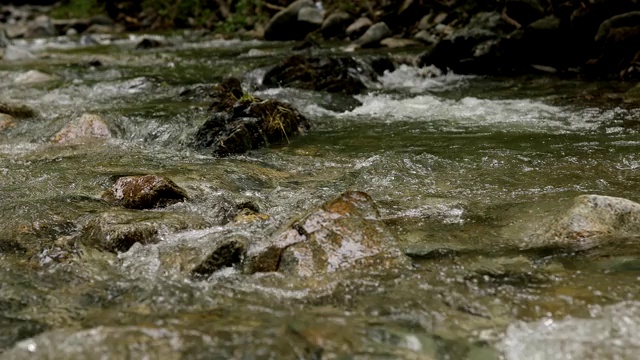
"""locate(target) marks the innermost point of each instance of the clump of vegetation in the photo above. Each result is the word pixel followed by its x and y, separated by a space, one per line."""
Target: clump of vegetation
pixel 70 9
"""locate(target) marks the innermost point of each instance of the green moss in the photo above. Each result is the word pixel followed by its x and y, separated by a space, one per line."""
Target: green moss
pixel 72 9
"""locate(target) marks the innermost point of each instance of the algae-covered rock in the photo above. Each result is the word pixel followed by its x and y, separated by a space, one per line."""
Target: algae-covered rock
pixel 145 192
pixel 590 220
pixel 242 122
pixel 86 127
pixel 342 234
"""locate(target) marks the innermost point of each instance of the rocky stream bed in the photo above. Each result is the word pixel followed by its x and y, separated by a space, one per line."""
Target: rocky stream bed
pixel 240 199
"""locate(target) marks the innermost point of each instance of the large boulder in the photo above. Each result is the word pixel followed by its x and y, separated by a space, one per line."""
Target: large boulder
pixel 285 25
pixel 145 192
pixel 343 234
pixel 242 122
pixel 590 220
pixel 332 74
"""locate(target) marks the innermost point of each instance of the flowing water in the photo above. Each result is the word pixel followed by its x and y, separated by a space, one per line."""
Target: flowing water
pixel 460 167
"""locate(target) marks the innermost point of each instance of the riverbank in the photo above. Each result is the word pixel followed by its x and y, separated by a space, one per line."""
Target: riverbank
pixel 597 39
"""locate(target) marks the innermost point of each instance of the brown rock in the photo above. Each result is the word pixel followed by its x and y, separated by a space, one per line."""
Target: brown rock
pixel 145 192
pixel 6 121
pixel 342 234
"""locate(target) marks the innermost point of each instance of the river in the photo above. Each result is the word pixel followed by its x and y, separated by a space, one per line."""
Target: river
pixel 459 166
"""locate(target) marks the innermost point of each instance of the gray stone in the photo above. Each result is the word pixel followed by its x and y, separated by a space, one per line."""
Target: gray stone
pixel 86 127
pixel 33 77
pixel 4 39
pixel 335 25
pixel 15 53
pixel 282 25
pixel 548 23
pixel 358 27
pixel 393 42
pixel 42 26
pixel 311 15
pixel 373 35
pixel 425 37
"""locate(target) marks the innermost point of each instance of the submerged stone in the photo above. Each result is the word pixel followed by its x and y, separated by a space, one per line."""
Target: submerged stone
pixel 590 220
pixel 33 77
pixel 343 234
pixel 86 127
pixel 242 122
pixel 6 121
pixel 145 192
pixel 18 111
pixel 117 231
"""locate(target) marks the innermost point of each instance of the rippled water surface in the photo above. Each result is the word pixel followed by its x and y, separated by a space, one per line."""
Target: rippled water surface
pixel 460 167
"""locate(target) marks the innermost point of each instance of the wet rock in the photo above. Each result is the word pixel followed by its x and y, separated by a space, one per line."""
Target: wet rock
pixel 118 230
pixel 310 17
pixel 145 192
pixel 16 53
pixel 630 19
pixel 19 111
pixel 285 25
pixel 335 25
pixel 148 43
pixel 342 74
pixel 41 26
pixel 225 253
pixel 358 28
pixel 373 35
pixel 343 234
pixel 6 121
pixel 135 342
pixel 86 127
pixel 590 219
pixel 425 37
pixel 33 77
pixel 242 122
pixel 399 43
pixel 466 49
pixel 4 39
pixel 524 11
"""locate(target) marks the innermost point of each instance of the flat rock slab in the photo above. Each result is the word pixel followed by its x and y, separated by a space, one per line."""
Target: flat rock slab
pixel 145 192
pixel 342 234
